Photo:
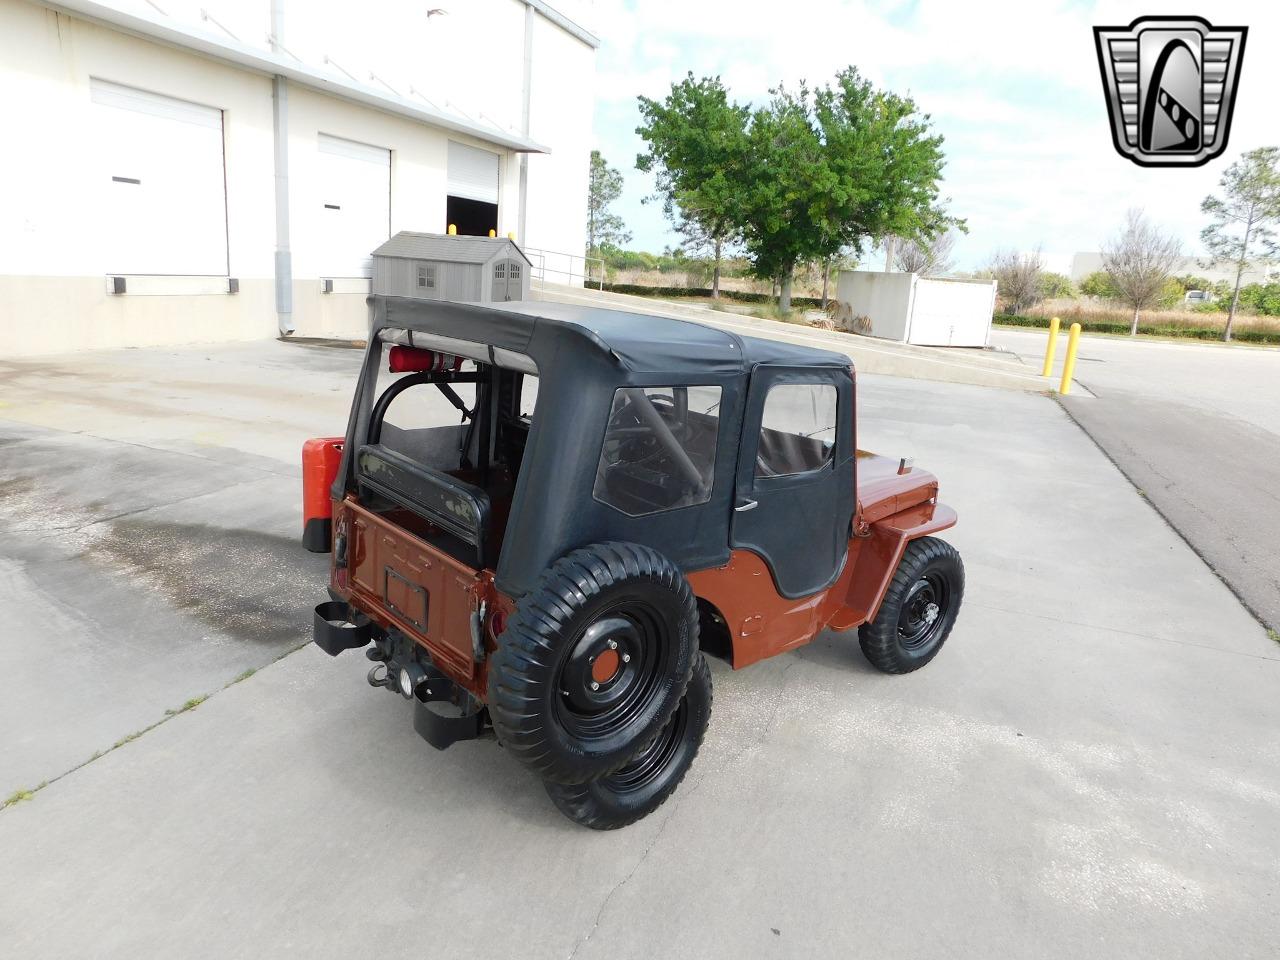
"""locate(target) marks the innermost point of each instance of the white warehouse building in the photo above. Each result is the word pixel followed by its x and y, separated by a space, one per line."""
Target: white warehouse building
pixel 200 170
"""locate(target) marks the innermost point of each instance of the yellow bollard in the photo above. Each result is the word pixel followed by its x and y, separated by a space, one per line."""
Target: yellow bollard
pixel 1049 350
pixel 493 232
pixel 453 229
pixel 1069 364
pixel 511 235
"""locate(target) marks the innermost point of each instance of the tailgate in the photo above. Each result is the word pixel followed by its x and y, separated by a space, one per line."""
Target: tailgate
pixel 414 586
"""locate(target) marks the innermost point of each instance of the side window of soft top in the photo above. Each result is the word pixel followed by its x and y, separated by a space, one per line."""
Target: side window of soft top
pixel 797 430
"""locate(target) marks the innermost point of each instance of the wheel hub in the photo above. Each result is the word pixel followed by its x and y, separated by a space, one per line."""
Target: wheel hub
pixel 922 612
pixel 600 671
pixel 605 666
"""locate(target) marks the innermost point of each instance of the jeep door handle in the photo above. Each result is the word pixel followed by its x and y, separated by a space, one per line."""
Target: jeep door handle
pixel 745 505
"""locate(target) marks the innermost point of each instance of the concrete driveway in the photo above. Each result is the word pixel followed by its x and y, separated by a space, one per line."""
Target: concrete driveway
pixel 1089 769
pixel 1196 427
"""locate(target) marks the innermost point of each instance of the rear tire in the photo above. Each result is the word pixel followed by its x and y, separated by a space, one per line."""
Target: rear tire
pixel 919 608
pixel 644 783
pixel 593 662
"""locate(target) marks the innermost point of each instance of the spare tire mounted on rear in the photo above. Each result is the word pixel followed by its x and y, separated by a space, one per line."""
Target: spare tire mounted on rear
pixel 594 661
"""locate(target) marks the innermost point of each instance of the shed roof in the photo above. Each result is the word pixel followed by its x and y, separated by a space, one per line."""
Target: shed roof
pixel 445 248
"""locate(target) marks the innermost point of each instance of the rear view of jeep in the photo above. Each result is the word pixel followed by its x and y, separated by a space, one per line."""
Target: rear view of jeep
pixel 534 520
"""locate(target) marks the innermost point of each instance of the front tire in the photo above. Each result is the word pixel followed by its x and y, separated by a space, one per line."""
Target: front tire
pixel 594 661
pixel 919 608
pixel 646 781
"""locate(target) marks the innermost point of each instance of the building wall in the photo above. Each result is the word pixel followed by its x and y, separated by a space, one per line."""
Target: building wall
pixel 54 245
pixel 563 88
pixel 1085 263
pixel 53 241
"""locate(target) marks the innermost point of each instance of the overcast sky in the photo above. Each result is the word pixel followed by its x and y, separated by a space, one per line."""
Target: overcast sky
pixel 1013 87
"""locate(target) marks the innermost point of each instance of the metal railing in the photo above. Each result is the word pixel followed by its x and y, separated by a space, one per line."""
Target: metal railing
pixel 565 267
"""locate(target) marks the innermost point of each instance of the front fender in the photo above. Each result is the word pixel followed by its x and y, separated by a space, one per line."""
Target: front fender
pixel 880 552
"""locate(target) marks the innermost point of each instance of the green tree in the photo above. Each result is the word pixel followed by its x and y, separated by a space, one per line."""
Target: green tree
pixel 1261 298
pixel 1191 282
pixel 696 146
pixel 1098 284
pixel 1245 217
pixel 831 169
pixel 1054 286
pixel 603 188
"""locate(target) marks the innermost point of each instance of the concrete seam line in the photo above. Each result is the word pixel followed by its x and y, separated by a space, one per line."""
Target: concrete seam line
pixel 1168 522
pixel 1124 633
pixel 21 794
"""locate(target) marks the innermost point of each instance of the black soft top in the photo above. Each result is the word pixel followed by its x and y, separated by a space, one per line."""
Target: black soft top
pixel 581 355
pixel 639 342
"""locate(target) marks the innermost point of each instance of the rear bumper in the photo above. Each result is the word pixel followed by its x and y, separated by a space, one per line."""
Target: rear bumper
pixel 443 712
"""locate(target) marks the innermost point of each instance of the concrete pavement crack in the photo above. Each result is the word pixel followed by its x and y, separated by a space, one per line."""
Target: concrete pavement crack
pixel 22 795
pixel 608 897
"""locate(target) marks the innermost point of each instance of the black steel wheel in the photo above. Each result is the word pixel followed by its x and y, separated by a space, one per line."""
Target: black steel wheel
pixel 919 608
pixel 593 662
pixel 644 783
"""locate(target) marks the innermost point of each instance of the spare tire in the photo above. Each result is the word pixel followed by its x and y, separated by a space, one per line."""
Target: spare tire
pixel 593 662
pixel 645 781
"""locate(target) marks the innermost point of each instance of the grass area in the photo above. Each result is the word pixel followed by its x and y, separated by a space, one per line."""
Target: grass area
pixel 1273 635
pixel 1258 333
pixel 1102 317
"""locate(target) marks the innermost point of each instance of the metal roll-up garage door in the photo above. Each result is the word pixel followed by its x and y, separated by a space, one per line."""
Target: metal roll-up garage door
pixel 160 191
pixel 355 205
pixel 473 173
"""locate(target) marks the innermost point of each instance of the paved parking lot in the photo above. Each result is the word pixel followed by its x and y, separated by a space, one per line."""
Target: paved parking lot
pixel 1196 427
pixel 1089 769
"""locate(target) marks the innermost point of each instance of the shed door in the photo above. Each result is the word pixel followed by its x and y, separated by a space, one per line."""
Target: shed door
pixel 795 487
pixel 354 206
pixel 158 183
pixel 507 277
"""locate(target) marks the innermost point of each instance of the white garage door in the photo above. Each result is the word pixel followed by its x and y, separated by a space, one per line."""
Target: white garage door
pixel 161 195
pixel 355 201
pixel 473 173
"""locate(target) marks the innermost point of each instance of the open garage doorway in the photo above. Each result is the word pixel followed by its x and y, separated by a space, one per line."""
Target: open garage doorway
pixel 473 218
pixel 472 204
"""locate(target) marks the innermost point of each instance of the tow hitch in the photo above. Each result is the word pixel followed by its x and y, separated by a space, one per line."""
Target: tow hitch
pixel 443 712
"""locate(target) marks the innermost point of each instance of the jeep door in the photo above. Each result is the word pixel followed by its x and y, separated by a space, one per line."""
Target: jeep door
pixel 795 480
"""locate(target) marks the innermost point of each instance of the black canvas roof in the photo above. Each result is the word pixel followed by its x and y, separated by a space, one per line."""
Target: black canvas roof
pixel 640 342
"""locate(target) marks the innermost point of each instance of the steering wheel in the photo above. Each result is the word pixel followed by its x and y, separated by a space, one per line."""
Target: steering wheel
pixel 636 442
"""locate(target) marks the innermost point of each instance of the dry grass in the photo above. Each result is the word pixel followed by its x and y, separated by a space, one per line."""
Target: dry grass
pixel 656 278
pixel 1070 311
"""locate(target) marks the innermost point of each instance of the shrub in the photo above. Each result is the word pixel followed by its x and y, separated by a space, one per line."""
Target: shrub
pixel 739 296
pixel 1261 335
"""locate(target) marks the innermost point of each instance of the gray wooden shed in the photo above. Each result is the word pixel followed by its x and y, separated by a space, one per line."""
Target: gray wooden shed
pixel 435 266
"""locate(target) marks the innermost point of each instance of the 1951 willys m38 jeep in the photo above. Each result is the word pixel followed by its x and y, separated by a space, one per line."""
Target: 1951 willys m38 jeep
pixel 608 497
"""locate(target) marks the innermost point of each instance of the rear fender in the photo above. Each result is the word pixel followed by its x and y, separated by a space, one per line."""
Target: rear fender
pixel 320 461
pixel 880 552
